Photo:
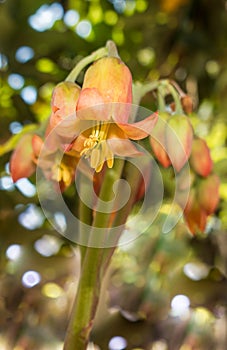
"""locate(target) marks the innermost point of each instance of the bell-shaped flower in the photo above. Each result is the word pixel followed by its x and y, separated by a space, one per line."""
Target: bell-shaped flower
pixel 63 102
pixel 200 159
pixel 158 140
pixel 22 159
pixel 194 214
pixel 179 136
pixel 57 165
pixel 171 140
pixel 208 193
pixel 105 105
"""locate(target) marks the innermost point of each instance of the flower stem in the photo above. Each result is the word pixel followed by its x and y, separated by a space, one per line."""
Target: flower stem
pixel 103 51
pixel 92 271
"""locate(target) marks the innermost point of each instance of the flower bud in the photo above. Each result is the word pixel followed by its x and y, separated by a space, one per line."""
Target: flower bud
pixel 21 162
pixel 179 136
pixel 208 193
pixel 158 140
pixel 200 158
pixel 187 104
pixel 195 216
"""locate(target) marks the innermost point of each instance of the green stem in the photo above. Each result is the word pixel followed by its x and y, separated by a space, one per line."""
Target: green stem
pixel 86 301
pixel 139 90
pixel 84 62
pixel 176 98
pixel 92 272
pixel 161 100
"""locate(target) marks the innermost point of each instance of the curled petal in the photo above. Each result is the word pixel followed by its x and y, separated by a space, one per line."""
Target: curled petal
pixel 141 129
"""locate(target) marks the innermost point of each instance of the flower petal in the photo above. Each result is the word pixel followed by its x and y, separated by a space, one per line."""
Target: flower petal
pixel 123 147
pixel 141 129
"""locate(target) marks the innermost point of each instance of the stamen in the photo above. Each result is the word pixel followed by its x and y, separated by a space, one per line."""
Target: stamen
pixel 96 147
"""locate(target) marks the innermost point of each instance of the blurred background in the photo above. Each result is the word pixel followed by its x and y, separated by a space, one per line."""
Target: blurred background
pixel 162 291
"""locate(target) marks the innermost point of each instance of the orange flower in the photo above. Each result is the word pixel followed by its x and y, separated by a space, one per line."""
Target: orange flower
pixel 104 106
pixel 21 161
pixel 200 158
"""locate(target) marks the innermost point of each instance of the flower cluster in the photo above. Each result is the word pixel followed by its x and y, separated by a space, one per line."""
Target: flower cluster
pixel 88 122
pixel 89 126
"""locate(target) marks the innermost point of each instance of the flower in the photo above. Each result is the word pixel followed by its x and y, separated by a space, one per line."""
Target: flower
pixel 63 102
pixel 202 201
pixel 194 214
pixel 171 140
pixel 200 158
pixel 21 161
pixel 105 104
pixel 208 193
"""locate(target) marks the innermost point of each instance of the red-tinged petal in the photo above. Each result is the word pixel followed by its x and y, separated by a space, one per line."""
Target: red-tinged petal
pixel 141 129
pixel 200 159
pixel 208 193
pixel 195 216
pixel 179 136
pixel 89 97
pixel 21 162
pixel 37 144
pixel 68 129
pixel 64 100
pixel 123 147
pixel 160 152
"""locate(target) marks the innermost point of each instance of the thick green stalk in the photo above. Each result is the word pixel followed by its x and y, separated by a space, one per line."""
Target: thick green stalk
pixel 92 273
pixel 86 301
pixel 84 62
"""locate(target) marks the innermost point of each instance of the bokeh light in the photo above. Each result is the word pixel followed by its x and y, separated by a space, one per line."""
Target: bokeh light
pixel 83 29
pixel 180 305
pixel 3 62
pixel 24 54
pixel 29 94
pixel 47 245
pixel 196 271
pixel 45 17
pixel 52 290
pixel 6 183
pixel 71 18
pixel 60 221
pixel 16 81
pixel 13 252
pixel 26 187
pixel 30 279
pixel 15 127
pixel 117 343
pixel 32 217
